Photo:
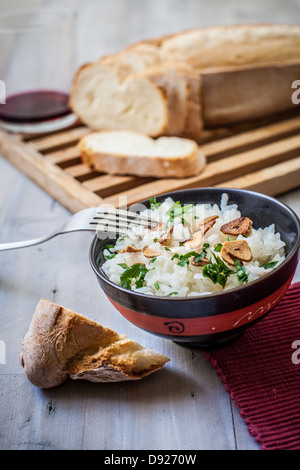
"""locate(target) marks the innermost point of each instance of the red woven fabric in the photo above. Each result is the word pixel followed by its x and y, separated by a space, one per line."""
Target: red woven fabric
pixel 261 372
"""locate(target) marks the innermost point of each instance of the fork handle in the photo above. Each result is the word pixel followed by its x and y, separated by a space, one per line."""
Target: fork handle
pixel 26 243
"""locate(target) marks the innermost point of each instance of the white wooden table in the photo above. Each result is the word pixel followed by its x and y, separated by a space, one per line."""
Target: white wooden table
pixel 182 407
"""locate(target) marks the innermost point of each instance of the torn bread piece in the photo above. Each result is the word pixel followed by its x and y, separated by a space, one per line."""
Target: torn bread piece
pixel 61 343
pixel 134 153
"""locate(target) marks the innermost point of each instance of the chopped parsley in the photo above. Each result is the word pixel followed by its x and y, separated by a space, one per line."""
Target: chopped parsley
pixel 218 247
pixel 177 210
pixel 123 265
pixel 110 254
pixel 184 259
pixel 171 293
pixel 240 272
pixel 217 272
pixel 205 247
pixel 153 203
pixel 136 271
pixel 156 285
pixel 269 265
pixel 152 260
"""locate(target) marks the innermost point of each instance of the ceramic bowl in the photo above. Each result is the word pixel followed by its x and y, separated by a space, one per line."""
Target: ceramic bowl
pixel 210 321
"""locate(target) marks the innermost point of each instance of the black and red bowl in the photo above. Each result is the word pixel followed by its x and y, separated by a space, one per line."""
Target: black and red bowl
pixel 210 321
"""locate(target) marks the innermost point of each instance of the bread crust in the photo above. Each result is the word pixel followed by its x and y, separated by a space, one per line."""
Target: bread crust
pixel 252 46
pixel 61 343
pixel 230 95
pixel 141 165
pixel 231 45
pixel 38 356
pixel 193 125
pixel 174 90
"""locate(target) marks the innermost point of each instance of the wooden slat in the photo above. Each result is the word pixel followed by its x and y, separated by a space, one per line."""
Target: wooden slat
pixel 65 157
pixel 214 134
pixel 222 170
pixel 251 158
pixel 55 181
pixel 107 185
pixel 81 172
pixel 59 140
pixel 272 181
pixel 247 140
pixel 212 150
pixel 104 182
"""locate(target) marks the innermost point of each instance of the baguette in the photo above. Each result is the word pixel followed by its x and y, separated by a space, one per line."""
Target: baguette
pixel 231 45
pixel 61 344
pixel 162 86
pixel 130 152
pixel 135 59
pixel 234 94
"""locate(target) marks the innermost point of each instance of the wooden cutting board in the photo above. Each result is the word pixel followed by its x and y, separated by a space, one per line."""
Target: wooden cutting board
pixel 265 158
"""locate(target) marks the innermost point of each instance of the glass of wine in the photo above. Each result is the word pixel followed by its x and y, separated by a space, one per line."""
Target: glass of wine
pixel 37 64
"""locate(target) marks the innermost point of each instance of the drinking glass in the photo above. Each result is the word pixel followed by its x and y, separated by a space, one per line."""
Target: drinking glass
pixel 37 64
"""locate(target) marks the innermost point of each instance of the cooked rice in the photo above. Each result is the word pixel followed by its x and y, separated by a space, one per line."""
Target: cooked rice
pixel 165 277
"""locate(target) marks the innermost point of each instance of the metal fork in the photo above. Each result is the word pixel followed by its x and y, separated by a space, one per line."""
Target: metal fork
pixel 96 219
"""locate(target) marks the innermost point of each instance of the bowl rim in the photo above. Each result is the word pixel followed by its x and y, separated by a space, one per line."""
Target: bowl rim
pixel 212 295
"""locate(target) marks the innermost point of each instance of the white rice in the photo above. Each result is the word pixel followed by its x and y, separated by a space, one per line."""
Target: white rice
pixel 165 277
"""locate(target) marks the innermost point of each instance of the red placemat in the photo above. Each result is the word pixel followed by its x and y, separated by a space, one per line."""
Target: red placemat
pixel 261 372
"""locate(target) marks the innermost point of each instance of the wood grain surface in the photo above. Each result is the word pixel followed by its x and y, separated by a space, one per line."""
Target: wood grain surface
pixel 184 406
pixel 245 158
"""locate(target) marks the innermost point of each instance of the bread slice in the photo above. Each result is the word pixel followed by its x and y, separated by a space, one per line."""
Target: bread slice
pixel 153 101
pixel 133 153
pixel 123 92
pixel 61 343
pixel 173 87
pixel 193 125
pixel 103 96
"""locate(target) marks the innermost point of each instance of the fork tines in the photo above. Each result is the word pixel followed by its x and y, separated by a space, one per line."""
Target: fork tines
pixel 119 220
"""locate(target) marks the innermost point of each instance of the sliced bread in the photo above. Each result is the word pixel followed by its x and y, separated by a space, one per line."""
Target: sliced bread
pixel 104 96
pixel 61 344
pixel 134 153
pixel 162 87
pixel 158 100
